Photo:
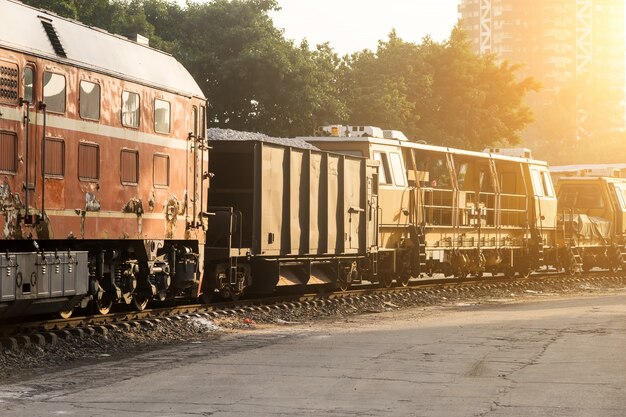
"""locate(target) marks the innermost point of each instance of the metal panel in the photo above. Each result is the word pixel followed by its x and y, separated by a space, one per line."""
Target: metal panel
pixel 273 163
pixel 8 270
pixel 354 203
pixel 8 152
pixel 317 204
pixel 335 215
pixel 299 201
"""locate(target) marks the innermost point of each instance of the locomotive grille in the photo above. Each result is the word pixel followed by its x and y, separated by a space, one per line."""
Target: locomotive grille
pixel 9 83
pixel 54 38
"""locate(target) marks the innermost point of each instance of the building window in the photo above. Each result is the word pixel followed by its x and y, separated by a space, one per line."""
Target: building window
pixel 161 173
pixel 161 116
pixel 8 152
pixel 9 82
pixel 89 100
pixel 54 92
pixel 88 162
pixel 129 166
pixel 130 109
pixel 29 84
pixel 54 158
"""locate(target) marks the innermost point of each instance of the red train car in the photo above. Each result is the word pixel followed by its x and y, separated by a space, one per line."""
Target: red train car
pixel 102 166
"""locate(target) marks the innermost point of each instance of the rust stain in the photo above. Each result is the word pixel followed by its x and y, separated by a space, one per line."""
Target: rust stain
pixel 135 205
pixel 172 209
pixel 10 205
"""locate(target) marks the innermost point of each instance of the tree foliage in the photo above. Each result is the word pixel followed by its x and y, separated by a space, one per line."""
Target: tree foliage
pixel 257 80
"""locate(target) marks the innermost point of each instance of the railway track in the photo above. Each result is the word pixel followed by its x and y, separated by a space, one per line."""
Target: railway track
pixel 48 331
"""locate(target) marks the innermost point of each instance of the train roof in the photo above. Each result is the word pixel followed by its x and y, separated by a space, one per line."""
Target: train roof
pixel 41 33
pixel 426 147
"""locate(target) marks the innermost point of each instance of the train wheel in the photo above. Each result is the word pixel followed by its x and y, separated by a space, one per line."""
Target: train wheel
pixel 403 280
pixel 66 314
pixel 206 297
pixel 385 280
pixel 524 272
pixel 140 302
pixel 343 284
pixel 509 272
pixel 103 304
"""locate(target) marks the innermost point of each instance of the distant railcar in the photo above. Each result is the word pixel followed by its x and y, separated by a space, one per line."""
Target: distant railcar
pixel 592 222
pixel 102 168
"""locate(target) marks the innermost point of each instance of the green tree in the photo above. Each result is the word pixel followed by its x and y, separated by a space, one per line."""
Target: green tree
pixel 439 92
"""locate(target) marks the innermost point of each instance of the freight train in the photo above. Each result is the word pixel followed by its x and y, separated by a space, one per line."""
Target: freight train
pixel 107 197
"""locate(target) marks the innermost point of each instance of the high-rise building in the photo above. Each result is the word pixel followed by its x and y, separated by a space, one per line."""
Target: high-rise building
pixel 560 43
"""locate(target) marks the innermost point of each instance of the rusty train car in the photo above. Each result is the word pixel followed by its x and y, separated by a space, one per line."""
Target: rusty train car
pixel 102 168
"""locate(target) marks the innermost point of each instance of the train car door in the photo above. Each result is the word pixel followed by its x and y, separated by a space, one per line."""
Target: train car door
pixel 372 210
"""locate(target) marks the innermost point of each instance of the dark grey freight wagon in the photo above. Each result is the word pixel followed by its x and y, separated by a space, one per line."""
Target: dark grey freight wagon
pixel 284 216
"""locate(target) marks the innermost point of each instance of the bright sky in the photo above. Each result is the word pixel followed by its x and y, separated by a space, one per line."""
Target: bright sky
pixel 352 25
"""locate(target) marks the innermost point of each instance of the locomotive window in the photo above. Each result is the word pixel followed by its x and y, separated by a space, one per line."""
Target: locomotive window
pixel 548 188
pixel 130 109
pixel 161 116
pixel 537 183
pixel 161 175
pixel 29 84
pixel 88 162
pixel 583 196
pixel 384 176
pixel 621 196
pixel 8 152
pixel 55 158
pixel 129 167
pixel 398 172
pixel 89 100
pixel 54 92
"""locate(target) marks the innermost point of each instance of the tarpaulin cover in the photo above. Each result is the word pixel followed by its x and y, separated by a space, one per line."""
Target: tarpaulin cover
pixel 588 227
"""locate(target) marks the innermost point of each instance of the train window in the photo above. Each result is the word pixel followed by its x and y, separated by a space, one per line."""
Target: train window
pixel 161 175
pixel 9 82
pixel 537 183
pixel 583 196
pixel 55 158
pixel 129 166
pixel 89 100
pixel 396 167
pixel 161 116
pixel 461 175
pixel 130 109
pixel 621 196
pixel 8 152
pixel 29 84
pixel 384 176
pixel 546 181
pixel 88 162
pixel 437 168
pixel 54 92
